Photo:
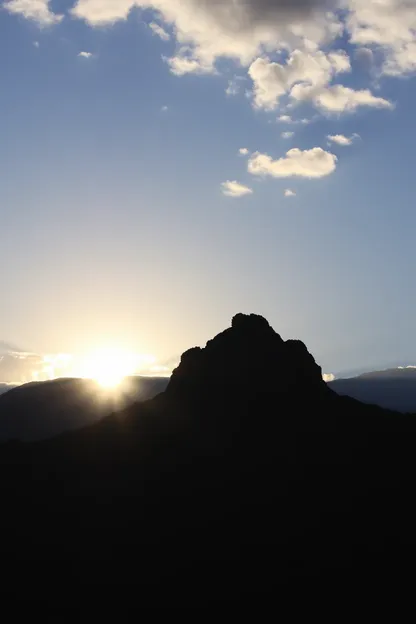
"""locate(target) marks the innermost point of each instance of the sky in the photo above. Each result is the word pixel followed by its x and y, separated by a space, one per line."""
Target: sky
pixel 169 163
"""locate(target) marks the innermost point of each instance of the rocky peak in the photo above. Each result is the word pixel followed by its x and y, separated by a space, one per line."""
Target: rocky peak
pixel 247 357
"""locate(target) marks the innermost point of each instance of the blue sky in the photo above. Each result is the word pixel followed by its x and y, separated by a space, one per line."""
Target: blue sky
pixel 127 223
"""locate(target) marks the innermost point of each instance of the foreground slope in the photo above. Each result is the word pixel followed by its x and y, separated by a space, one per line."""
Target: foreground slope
pixel 247 474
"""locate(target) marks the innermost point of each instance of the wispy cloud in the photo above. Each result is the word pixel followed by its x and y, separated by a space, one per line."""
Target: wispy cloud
pixel 232 188
pixel 339 99
pixel 234 85
pixel 159 31
pixel 341 139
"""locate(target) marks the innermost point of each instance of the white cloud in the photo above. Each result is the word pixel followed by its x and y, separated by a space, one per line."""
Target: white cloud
pixel 252 33
pixel 303 76
pixel 234 29
pixel 341 139
pixel 181 65
pixel 86 55
pixel 36 44
pixel 289 120
pixel 244 30
pixel 100 12
pixel 328 377
pixel 340 99
pixel 313 163
pixel 289 193
pixel 389 26
pixel 159 31
pixel 36 10
pixel 232 188
pixel 243 151
pixel 164 108
pixel 287 135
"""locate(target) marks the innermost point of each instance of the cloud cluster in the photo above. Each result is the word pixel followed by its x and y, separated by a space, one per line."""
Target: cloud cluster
pixel 303 77
pixel 251 31
pixel 291 51
pixel 243 30
pixel 238 29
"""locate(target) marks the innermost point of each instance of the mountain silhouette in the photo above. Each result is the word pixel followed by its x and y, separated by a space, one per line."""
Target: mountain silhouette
pixel 247 477
pixel 393 388
pixel 41 410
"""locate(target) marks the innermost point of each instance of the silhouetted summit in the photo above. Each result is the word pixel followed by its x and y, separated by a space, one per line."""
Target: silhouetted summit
pixel 246 477
pixel 248 356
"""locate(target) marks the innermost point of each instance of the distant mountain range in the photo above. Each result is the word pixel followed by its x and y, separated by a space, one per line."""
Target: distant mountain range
pixel 247 477
pixel 394 388
pixel 41 410
pixel 4 387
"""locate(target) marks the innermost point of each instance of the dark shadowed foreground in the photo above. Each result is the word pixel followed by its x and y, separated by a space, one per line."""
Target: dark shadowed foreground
pixel 246 477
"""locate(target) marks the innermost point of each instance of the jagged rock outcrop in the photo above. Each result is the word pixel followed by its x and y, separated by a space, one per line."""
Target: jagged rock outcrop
pixel 249 355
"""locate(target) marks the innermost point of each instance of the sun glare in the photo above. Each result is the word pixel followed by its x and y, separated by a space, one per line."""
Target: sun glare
pixel 108 367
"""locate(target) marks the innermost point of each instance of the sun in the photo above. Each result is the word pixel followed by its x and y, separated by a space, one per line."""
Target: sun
pixel 108 367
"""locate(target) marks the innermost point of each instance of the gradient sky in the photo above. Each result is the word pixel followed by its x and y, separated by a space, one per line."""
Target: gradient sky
pixel 128 215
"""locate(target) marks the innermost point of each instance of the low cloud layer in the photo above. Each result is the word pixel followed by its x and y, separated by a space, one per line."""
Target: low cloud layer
pixel 18 367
